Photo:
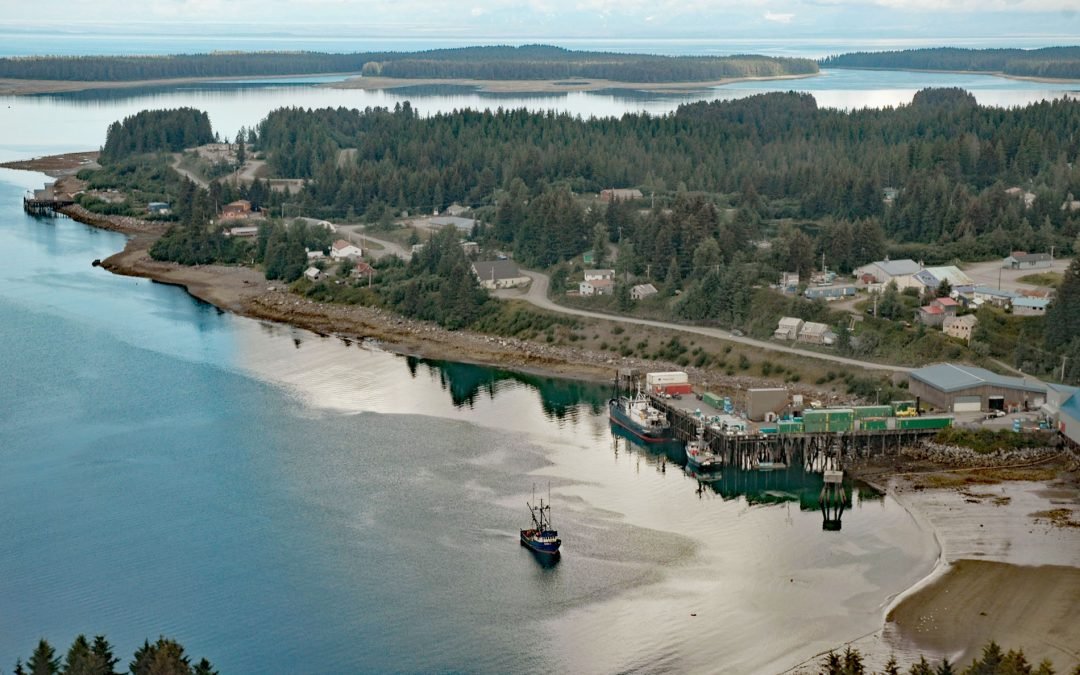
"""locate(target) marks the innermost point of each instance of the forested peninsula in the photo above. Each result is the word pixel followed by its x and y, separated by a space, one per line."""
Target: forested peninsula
pixel 530 62
pixel 1051 62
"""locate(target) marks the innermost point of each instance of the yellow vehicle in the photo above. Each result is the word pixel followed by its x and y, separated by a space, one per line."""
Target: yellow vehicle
pixel 907 412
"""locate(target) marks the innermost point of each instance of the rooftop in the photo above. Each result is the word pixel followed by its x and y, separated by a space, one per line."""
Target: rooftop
pixel 1032 303
pixel 815 328
pixel 496 269
pixel 896 268
pixel 457 221
pixel 950 377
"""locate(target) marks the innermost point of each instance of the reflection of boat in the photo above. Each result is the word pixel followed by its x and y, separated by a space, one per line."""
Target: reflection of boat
pixel 637 415
pixel 540 538
pixel 698 453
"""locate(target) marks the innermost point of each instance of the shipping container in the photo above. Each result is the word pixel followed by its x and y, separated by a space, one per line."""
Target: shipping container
pixel 897 406
pixel 760 402
pixel 864 411
pixel 924 422
pixel 672 389
pixel 768 431
pixel 789 427
pixel 713 400
pixel 675 377
pixel 828 420
pixel 873 424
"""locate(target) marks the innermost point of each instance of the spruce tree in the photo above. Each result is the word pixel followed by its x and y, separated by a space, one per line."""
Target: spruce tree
pixel 43 661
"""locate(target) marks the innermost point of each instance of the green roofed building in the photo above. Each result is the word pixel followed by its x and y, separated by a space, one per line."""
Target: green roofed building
pixel 962 388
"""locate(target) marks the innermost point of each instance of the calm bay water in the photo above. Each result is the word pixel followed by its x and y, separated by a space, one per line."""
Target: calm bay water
pixel 284 502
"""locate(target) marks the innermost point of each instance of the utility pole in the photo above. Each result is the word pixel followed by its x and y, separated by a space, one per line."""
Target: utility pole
pixel 1063 360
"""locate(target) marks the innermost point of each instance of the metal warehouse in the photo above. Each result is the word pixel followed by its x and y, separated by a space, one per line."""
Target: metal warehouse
pixel 960 388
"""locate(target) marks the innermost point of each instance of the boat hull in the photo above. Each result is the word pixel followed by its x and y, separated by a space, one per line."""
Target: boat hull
pixel 647 435
pixel 544 545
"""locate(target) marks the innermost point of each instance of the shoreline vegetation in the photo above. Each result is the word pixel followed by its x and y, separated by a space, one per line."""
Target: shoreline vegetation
pixel 1049 64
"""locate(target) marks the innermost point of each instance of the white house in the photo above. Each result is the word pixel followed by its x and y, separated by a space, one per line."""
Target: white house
pixel 312 273
pixel 816 333
pixel 495 274
pixel 597 287
pixel 456 209
pixel 1024 306
pixel 597 275
pixel 343 249
pixel 315 255
pixel 788 329
pixel 642 291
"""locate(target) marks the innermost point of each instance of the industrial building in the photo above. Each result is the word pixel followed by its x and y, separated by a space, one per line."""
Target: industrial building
pixel 961 388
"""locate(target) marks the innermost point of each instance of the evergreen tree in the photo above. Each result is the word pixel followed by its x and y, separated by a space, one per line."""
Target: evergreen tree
pixel 104 653
pixel 1063 314
pixel 44 660
pixel 164 657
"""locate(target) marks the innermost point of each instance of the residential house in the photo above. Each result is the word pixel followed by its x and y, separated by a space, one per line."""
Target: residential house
pixel 342 249
pixel 619 195
pixel 830 292
pixel 789 283
pixel 237 210
pixel 642 291
pixel 456 209
pixel 158 208
pixel 312 273
pixel 816 333
pixel 314 255
pixel 884 271
pixel 1020 193
pixel 364 271
pixel 416 248
pixel 597 275
pixel 788 329
pixel 930 278
pixel 960 327
pixel 1024 306
pixel 889 195
pixel 597 287
pixel 994 296
pixel 935 313
pixel 1021 260
pixel 495 274
pixel 1070 204
pixel 470 247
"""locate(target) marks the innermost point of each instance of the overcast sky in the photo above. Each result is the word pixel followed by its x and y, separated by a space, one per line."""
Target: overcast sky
pixel 614 19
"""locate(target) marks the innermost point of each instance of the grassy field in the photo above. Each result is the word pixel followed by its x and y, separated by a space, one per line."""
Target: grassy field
pixel 1042 279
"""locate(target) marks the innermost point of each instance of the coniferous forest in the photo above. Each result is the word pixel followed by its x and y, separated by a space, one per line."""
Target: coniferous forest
pixel 1050 62
pixel 530 62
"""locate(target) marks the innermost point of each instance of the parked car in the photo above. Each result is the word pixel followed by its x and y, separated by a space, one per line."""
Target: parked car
pixel 737 333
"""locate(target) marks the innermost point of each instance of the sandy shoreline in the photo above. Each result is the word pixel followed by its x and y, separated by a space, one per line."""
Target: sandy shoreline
pixel 992 73
pixel 14 87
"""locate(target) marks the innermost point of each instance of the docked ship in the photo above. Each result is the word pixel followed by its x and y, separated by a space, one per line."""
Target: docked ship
pixel 699 455
pixel 637 415
pixel 541 538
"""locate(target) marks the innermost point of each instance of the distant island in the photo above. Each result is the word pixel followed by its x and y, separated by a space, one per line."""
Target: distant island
pixel 532 63
pixel 1054 63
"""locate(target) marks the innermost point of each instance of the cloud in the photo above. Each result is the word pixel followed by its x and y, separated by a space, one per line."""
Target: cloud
pixel 779 17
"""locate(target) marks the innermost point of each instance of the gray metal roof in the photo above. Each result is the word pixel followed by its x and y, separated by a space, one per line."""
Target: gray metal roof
pixel 457 221
pixel 496 269
pixel 898 268
pixel 951 377
pixel 1034 303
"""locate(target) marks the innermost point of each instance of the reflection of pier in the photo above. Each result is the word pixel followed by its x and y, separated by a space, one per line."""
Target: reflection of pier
pixel 833 499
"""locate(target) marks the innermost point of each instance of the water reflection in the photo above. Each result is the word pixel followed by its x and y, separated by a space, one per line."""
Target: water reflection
pixel 559 398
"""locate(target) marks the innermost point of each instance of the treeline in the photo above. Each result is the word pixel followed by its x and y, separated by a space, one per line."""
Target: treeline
pixel 949 162
pixel 993 661
pixel 163 657
pixel 1053 62
pixel 494 62
pixel 156 131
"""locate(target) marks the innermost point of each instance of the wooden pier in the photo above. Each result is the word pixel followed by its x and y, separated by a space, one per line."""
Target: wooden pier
pixel 46 201
pixel 815 451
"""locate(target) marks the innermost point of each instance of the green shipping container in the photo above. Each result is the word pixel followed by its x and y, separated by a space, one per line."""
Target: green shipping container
pixel 713 400
pixel 897 406
pixel 864 411
pixel 786 427
pixel 924 422
pixel 874 424
pixel 768 431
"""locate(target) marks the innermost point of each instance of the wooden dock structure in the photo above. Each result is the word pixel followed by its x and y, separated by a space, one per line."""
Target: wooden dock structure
pixel 815 451
pixel 46 201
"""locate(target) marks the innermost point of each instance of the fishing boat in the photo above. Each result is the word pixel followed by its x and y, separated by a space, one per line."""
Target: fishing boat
pixel 637 415
pixel 698 453
pixel 541 538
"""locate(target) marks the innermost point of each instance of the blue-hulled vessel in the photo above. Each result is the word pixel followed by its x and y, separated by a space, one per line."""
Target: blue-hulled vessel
pixel 541 538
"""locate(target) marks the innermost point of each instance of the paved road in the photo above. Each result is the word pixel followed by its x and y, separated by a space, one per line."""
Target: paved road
pixel 537 294
pixel 987 274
